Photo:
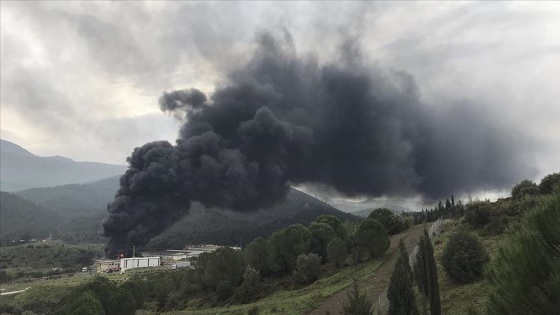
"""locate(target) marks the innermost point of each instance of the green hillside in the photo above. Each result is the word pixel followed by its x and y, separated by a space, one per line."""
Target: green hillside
pixel 22 219
pixel 225 227
pixel 74 199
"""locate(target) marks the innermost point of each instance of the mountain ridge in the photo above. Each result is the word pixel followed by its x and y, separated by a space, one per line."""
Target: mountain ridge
pixel 20 169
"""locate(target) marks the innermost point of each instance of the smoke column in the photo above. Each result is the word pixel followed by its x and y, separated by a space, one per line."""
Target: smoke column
pixel 282 119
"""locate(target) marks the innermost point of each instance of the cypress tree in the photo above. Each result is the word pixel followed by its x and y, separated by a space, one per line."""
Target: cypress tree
pixel 425 273
pixel 400 293
pixel 431 275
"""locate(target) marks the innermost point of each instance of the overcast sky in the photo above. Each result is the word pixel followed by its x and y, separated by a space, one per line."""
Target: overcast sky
pixel 82 79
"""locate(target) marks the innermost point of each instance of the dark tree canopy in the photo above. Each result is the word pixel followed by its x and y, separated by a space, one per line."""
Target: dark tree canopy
pixel 524 188
pixel 400 291
pixel 549 182
pixel 372 237
pixel 464 257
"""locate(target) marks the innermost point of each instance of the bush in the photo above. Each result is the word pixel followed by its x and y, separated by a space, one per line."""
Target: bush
pixel 477 213
pixel 525 187
pixel 464 257
pixel 308 268
pixel 548 183
pixel 358 303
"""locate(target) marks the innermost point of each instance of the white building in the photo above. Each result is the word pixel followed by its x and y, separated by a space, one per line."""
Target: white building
pixel 139 262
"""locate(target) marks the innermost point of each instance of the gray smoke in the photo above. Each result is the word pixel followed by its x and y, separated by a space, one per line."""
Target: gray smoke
pixel 282 119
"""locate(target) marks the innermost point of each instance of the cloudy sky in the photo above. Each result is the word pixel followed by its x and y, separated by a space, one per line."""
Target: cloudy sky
pixel 82 79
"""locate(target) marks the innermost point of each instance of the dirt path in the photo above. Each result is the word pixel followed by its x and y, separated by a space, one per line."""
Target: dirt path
pixel 380 279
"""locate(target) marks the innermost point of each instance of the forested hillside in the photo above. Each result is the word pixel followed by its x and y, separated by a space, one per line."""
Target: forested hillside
pixel 74 199
pixel 234 228
pixel 22 219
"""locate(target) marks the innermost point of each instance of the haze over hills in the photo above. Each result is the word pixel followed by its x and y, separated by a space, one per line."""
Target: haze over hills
pixel 21 169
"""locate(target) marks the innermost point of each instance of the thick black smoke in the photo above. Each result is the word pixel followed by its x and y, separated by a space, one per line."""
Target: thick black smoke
pixel 283 119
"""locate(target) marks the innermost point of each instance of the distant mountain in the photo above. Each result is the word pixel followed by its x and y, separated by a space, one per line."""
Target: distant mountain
pixel 20 218
pixel 21 169
pixel 226 227
pixel 74 199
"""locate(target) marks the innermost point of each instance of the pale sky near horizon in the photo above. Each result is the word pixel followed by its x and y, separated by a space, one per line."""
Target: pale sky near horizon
pixel 82 79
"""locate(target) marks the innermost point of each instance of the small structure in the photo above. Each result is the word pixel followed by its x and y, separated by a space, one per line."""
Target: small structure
pixel 139 262
pixel 104 265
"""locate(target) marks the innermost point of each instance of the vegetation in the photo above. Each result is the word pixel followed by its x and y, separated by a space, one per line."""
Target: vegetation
pixel 336 252
pixel 525 275
pixel 426 273
pixel 400 292
pixel 358 303
pixel 393 223
pixel 371 237
pixel 308 268
pixel 464 257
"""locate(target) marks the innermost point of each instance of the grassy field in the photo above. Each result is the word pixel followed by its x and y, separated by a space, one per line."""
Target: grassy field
pixel 461 298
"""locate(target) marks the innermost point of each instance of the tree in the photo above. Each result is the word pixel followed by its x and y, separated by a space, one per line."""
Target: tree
pixel 477 213
pixel 371 236
pixel 400 292
pixel 335 223
pixel 523 188
pixel 392 222
pixel 121 302
pixel 286 245
pixel 524 275
pixel 224 268
pixel 250 286
pixel 139 289
pixel 548 183
pixel 321 235
pixel 358 303
pixel 464 257
pixel 425 273
pixel 336 252
pixel 86 304
pixel 256 255
pixel 308 268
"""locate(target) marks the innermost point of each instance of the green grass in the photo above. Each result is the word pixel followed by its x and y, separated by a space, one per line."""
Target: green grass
pixel 298 301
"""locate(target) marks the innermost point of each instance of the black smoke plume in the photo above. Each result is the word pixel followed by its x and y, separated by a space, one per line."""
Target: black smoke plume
pixel 283 120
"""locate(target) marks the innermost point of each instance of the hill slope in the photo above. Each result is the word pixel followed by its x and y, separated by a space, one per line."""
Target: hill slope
pixel 225 227
pixel 21 169
pixel 74 199
pixel 20 218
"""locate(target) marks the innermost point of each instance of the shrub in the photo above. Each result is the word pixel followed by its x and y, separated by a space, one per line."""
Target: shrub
pixel 525 187
pixel 477 213
pixel 549 182
pixel 357 303
pixel 308 268
pixel 464 257
pixel 524 275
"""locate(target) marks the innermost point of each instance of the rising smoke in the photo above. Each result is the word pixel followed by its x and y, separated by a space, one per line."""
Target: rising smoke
pixel 283 120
